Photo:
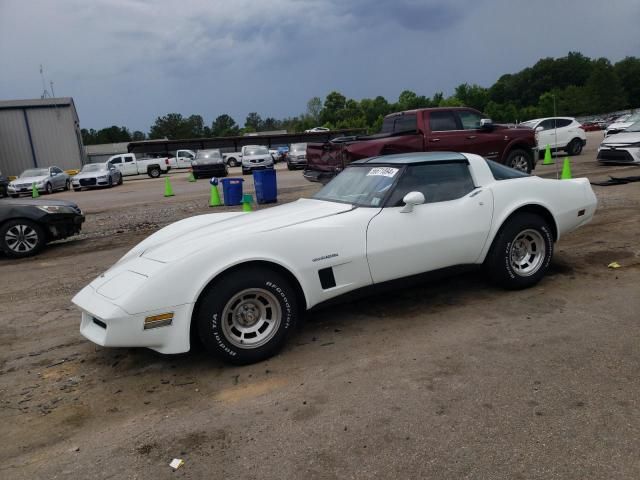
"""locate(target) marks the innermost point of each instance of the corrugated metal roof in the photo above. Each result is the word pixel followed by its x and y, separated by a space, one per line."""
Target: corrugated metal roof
pixel 37 102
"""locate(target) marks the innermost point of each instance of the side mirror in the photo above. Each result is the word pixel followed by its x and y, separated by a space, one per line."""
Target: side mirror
pixel 410 200
pixel 539 128
pixel 486 123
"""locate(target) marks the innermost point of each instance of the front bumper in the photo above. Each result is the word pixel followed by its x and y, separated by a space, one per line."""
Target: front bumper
pixel 620 155
pixel 89 183
pixel 210 170
pixel 109 325
pixel 62 225
pixel 24 190
pixel 252 167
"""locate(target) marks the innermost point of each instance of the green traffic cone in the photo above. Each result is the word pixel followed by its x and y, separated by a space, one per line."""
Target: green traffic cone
pixel 214 198
pixel 191 177
pixel 168 191
pixel 566 170
pixel 34 191
pixel 547 156
pixel 247 200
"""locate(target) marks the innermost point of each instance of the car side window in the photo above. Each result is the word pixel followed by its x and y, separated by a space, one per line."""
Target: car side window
pixel 563 122
pixel 116 161
pixel 128 159
pixel 55 170
pixel 442 121
pixel 469 120
pixel 547 124
pixel 438 182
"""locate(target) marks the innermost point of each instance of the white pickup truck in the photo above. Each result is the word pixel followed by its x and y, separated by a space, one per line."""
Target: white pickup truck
pixel 233 159
pixel 128 164
pixel 182 159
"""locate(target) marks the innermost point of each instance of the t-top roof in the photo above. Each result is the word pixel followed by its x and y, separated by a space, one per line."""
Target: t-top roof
pixel 418 157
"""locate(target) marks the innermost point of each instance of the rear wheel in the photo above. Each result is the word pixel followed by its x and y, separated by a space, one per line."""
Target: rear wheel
pixel 154 172
pixel 233 162
pixel 21 238
pixel 575 147
pixel 521 252
pixel 520 160
pixel 247 315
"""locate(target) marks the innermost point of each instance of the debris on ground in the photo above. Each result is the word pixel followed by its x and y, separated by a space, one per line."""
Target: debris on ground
pixel 614 265
pixel 176 463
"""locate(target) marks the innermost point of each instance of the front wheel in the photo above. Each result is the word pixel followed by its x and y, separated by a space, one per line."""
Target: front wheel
pixel 520 160
pixel 21 238
pixel 119 180
pixel 49 189
pixel 247 315
pixel 575 147
pixel 521 252
pixel 246 172
pixel 67 185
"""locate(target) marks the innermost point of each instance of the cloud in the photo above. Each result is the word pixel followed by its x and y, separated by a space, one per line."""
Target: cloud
pixel 128 61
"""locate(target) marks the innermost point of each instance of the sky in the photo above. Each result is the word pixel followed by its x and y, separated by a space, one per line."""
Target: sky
pixel 126 62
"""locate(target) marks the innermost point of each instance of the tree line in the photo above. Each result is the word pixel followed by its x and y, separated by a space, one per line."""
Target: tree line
pixel 576 84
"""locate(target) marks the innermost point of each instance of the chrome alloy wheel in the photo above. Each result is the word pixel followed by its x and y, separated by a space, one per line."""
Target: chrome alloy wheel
pixel 527 252
pixel 21 238
pixel 251 318
pixel 520 162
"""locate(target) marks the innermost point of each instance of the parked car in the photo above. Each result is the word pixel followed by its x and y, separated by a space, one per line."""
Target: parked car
pixel 255 157
pixel 560 133
pixel 297 156
pixel 4 184
pixel 95 175
pixel 240 282
pixel 209 163
pixel 317 129
pixel 182 159
pixel 129 164
pixel 232 159
pixel 621 123
pixel 623 147
pixel 27 225
pixel 46 180
pixel 428 129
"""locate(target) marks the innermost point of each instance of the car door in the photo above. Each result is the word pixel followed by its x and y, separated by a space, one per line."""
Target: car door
pixel 184 158
pixel 117 163
pixel 445 132
pixel 129 165
pixel 487 142
pixel 547 134
pixel 57 178
pixel 449 229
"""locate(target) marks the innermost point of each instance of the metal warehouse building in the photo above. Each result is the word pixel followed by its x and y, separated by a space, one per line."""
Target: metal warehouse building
pixel 39 133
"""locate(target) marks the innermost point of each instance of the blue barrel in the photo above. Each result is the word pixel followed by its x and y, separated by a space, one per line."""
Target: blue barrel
pixel 266 186
pixel 232 190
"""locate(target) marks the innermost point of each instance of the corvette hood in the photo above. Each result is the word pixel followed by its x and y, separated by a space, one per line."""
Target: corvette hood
pixel 29 180
pixel 204 231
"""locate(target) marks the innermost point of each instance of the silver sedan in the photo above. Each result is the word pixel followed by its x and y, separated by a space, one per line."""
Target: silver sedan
pixel 46 180
pixel 95 175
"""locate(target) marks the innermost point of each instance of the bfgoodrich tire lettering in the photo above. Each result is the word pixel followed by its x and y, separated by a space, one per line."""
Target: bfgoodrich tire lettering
pixel 247 315
pixel 521 252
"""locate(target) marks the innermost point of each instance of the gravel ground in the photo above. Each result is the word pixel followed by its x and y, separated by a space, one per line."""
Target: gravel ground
pixel 450 379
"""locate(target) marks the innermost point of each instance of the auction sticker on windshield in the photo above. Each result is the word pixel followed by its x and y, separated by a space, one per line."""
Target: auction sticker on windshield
pixel 382 172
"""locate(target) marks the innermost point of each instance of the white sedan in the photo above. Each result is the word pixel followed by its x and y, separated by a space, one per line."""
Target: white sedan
pixel 239 282
pixel 623 147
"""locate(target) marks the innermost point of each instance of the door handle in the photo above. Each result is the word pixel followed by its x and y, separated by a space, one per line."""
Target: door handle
pixel 434 139
pixel 471 137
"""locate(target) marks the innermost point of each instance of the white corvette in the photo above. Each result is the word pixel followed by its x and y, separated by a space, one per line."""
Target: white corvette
pixel 240 281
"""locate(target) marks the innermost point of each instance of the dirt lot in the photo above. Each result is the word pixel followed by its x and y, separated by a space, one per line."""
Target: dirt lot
pixel 455 379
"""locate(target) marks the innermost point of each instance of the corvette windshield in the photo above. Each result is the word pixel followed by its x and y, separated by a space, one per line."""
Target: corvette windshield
pixel 365 186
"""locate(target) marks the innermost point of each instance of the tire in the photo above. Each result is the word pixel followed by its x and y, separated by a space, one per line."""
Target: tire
pixel 240 296
pixel 290 167
pixel 67 185
pixel 110 184
pixel 49 189
pixel 154 172
pixel 245 172
pixel 119 180
pixel 575 147
pixel 21 238
pixel 77 189
pixel 513 268
pixel 14 196
pixel 233 162
pixel 520 160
